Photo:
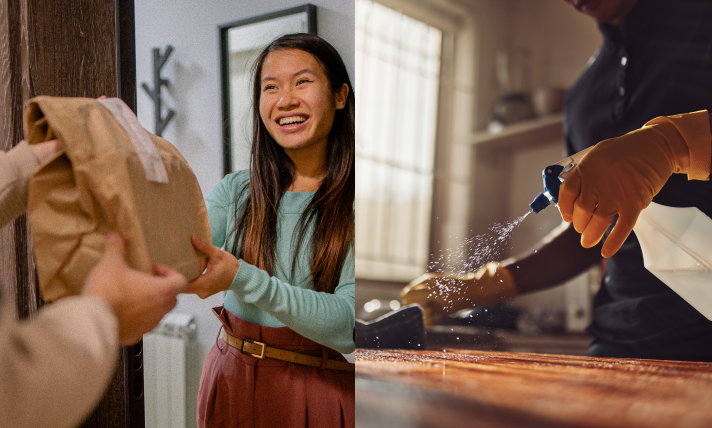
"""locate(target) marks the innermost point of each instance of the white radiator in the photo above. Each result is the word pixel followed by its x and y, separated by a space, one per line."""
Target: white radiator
pixel 169 365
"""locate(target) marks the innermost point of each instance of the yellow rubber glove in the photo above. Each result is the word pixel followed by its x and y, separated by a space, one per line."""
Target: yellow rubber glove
pixel 621 175
pixel 439 293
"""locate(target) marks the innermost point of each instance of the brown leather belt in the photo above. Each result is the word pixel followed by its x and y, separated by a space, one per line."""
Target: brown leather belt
pixel 260 350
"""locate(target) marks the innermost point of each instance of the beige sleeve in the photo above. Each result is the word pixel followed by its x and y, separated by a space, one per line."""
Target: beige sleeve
pixel 55 368
pixel 16 168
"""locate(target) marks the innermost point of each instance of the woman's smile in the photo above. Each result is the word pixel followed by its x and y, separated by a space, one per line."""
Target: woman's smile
pixel 292 123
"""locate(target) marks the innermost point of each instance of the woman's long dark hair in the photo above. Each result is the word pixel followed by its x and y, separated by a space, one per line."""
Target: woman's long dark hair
pixel 331 210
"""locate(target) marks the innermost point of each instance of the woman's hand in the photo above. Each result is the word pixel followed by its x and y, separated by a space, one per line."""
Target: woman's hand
pixel 222 268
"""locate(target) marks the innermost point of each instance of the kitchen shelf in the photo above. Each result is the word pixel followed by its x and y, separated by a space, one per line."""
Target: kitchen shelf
pixel 538 131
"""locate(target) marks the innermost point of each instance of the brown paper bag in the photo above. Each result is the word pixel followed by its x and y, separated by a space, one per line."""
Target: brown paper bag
pixel 106 181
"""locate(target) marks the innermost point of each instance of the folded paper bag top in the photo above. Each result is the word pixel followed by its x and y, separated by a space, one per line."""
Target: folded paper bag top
pixel 112 175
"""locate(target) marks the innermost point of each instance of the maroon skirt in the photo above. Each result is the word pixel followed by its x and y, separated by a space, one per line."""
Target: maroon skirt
pixel 239 390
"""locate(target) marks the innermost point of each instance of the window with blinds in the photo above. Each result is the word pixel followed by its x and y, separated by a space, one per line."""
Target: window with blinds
pixel 397 78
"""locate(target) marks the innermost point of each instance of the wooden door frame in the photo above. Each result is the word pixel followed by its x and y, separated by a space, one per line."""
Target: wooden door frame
pixel 132 356
pixel 83 48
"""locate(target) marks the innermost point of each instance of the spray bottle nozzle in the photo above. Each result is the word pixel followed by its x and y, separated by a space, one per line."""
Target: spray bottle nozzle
pixel 539 203
pixel 554 175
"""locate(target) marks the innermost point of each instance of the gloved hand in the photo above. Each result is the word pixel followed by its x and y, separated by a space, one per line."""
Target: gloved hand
pixel 621 175
pixel 439 293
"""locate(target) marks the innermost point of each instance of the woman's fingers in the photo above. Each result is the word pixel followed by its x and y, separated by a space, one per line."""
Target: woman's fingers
pixel 203 246
pixel 222 268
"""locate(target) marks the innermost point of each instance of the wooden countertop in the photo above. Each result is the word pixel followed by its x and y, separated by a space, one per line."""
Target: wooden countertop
pixel 461 388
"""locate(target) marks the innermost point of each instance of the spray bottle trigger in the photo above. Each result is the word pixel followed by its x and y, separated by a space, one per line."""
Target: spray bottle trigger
pixel 565 173
pixel 554 175
pixel 552 182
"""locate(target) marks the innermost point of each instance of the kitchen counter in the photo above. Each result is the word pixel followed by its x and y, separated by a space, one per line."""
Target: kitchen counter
pixel 466 388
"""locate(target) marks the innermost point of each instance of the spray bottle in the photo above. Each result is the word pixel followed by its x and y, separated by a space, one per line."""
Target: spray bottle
pixel 676 242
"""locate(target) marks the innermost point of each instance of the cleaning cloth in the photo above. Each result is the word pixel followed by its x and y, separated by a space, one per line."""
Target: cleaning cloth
pixel 112 175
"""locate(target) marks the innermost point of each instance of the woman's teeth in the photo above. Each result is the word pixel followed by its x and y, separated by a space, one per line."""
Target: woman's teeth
pixel 292 119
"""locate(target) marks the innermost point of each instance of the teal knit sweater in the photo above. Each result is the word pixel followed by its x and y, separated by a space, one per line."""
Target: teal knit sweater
pixel 276 301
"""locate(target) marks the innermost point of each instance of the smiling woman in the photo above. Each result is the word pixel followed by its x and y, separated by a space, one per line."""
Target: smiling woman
pixel 288 226
pixel 298 110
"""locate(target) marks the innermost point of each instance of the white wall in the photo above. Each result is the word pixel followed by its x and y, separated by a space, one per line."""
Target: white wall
pixel 560 39
pixel 193 69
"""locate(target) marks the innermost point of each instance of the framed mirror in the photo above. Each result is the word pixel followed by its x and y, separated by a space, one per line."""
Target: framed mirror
pixel 240 44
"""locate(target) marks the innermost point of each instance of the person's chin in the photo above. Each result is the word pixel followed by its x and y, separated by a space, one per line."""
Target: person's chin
pixel 594 9
pixel 292 143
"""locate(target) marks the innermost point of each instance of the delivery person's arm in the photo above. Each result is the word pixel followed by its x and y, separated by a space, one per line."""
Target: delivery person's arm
pixel 16 168
pixel 55 367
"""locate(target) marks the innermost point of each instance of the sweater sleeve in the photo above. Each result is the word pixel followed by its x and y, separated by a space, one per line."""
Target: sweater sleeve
pixel 55 367
pixel 16 168
pixel 218 204
pixel 328 319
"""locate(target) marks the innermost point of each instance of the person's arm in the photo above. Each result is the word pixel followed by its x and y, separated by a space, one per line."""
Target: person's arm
pixel 558 258
pixel 55 368
pixel 325 318
pixel 16 168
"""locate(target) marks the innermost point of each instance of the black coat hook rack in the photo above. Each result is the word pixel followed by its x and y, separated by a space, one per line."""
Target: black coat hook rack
pixel 159 60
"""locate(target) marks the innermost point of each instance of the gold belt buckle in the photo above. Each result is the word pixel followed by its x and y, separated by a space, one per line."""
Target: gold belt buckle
pixel 261 356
